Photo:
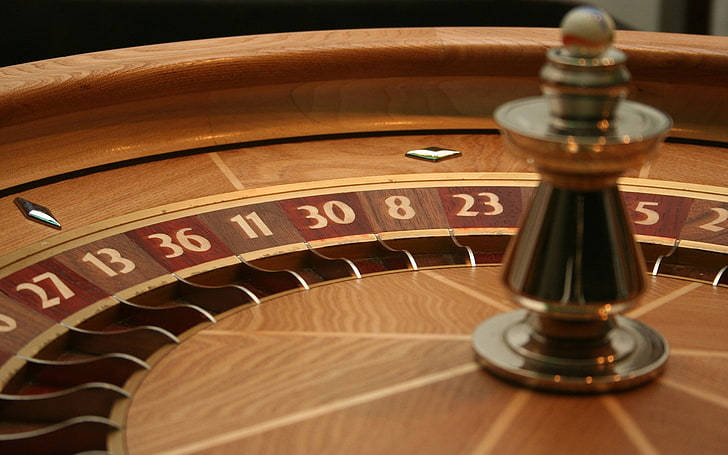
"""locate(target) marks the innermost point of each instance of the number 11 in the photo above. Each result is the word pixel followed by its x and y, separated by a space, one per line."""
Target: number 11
pixel 247 229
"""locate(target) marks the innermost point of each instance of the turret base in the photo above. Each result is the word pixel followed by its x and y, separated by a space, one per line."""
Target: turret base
pixel 627 355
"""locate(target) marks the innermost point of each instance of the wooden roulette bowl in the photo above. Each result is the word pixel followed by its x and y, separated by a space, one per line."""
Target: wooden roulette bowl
pixel 250 264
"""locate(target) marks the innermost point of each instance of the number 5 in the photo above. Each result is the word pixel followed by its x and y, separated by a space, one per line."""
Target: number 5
pixel 651 217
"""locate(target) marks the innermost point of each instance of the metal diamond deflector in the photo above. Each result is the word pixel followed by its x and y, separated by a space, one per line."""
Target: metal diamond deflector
pixel 37 213
pixel 433 153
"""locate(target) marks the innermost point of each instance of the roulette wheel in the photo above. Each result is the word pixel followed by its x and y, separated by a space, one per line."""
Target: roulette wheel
pixel 249 262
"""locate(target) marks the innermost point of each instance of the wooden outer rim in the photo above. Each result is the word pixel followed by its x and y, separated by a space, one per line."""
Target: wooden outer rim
pixel 78 112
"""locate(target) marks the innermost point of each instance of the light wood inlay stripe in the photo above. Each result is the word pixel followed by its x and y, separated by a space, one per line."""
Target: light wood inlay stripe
pixel 300 333
pixel 502 423
pixel 645 170
pixel 697 393
pixel 700 353
pixel 470 291
pixel 643 309
pixel 318 411
pixel 227 172
pixel 628 425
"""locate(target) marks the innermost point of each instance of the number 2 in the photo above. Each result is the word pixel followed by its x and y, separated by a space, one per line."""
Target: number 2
pixel 490 200
pixel 46 302
pixel 712 225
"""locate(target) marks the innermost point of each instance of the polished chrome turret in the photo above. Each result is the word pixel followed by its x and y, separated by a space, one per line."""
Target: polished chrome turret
pixel 574 265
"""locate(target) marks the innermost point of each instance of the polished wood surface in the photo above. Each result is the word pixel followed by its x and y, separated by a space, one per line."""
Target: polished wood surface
pixel 77 112
pixel 382 363
pixel 349 367
pixel 93 198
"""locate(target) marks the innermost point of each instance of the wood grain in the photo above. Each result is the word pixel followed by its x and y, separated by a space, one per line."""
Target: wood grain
pixel 458 418
pixel 83 200
pixel 485 207
pixel 165 243
pixel 677 162
pixel 108 194
pixel 705 373
pixel 142 268
pixel 694 320
pixel 415 208
pixel 300 162
pixel 558 424
pixel 381 363
pixel 320 371
pixel 325 217
pixel 664 412
pixel 706 221
pixel 376 305
pixel 300 370
pixel 281 229
pixel 64 291
pixel 671 211
pixel 82 111
pixel 25 324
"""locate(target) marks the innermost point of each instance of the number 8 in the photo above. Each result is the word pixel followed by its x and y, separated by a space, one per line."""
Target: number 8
pixel 400 207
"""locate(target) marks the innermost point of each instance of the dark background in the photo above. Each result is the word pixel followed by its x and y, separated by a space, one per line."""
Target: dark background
pixel 40 29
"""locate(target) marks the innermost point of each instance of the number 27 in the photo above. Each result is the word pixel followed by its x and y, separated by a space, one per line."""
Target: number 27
pixel 46 302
